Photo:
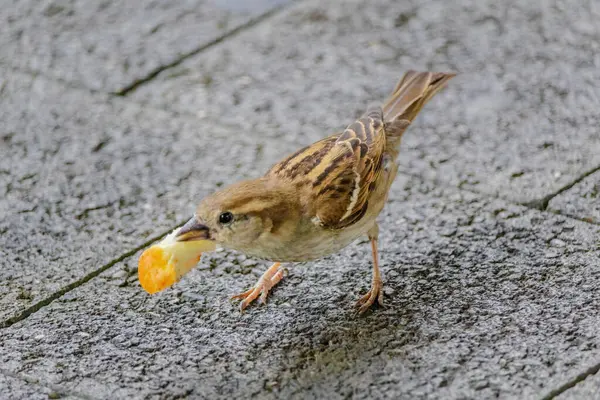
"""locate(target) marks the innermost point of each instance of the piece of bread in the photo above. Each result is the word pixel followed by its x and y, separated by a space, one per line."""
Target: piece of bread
pixel 163 264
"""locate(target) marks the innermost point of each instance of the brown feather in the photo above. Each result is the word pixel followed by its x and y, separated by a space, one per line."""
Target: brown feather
pixel 410 95
pixel 362 145
pixel 341 172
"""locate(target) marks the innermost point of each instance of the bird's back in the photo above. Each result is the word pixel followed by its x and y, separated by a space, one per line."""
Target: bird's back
pixel 343 180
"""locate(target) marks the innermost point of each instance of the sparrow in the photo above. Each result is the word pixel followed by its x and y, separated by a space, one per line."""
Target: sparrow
pixel 319 199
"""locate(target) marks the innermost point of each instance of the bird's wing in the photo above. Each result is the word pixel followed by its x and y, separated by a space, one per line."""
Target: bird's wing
pixel 339 171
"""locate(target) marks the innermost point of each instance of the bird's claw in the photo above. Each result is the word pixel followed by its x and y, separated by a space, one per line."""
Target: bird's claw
pixel 375 293
pixel 266 282
pixel 250 295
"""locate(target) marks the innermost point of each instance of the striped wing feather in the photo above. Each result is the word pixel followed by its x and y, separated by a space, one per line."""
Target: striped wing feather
pixel 339 171
pixel 337 174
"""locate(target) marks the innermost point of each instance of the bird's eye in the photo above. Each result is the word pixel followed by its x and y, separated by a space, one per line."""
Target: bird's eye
pixel 225 218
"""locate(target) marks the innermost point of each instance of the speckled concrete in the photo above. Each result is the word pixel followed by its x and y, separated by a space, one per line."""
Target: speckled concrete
pixel 85 179
pixel 587 389
pixel 108 45
pixel 485 298
pixel 581 201
pixel 520 121
pixel 15 388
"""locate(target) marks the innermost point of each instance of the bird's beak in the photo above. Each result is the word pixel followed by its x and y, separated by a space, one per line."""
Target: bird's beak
pixel 194 229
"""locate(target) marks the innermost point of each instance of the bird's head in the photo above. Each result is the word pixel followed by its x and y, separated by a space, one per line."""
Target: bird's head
pixel 243 215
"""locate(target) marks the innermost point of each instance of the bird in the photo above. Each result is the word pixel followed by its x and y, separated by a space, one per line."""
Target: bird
pixel 321 198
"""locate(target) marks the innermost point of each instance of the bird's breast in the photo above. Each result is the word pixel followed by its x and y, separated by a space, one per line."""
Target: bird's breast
pixel 309 243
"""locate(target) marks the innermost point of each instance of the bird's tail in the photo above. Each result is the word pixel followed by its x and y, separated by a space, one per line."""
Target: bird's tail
pixel 411 93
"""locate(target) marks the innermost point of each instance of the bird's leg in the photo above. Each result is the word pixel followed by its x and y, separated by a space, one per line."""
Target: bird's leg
pixel 376 292
pixel 270 278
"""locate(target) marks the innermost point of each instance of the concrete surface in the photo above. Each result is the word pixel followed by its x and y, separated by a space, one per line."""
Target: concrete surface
pixel 485 298
pixel 520 121
pixel 582 200
pixel 85 179
pixel 15 388
pixel 109 44
pixel 587 389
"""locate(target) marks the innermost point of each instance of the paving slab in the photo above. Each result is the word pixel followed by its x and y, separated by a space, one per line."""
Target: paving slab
pixel 15 388
pixel 581 201
pixel 484 299
pixel 84 179
pixel 109 44
pixel 586 389
pixel 520 121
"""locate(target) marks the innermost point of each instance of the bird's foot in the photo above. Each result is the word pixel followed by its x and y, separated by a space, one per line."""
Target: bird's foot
pixel 376 293
pixel 270 278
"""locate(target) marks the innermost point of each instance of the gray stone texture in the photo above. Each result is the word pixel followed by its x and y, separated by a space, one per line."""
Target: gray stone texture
pixel 109 44
pixel 581 201
pixel 84 179
pixel 587 389
pixel 15 388
pixel 483 298
pixel 519 122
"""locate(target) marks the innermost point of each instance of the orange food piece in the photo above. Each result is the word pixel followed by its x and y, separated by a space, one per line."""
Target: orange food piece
pixel 164 263
pixel 154 270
